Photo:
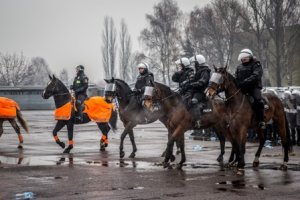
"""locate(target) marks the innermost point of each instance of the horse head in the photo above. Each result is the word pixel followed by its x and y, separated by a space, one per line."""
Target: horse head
pixel 123 91
pixel 54 87
pixel 217 82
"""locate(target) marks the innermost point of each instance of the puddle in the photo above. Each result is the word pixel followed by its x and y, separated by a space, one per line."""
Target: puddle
pixel 45 179
pixel 129 188
pixel 238 184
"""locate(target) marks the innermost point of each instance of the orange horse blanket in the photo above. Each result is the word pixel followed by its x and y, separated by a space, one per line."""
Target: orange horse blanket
pixel 8 108
pixel 98 109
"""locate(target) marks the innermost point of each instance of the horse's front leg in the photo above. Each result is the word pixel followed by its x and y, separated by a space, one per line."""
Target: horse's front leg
pixel 59 125
pixel 220 158
pixel 182 150
pixel 70 127
pixel 18 131
pixel 134 149
pixel 128 126
pixel 262 141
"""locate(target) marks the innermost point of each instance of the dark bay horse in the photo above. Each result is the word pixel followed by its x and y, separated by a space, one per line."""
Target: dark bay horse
pixel 14 124
pixel 136 115
pixel 61 97
pixel 240 117
pixel 180 120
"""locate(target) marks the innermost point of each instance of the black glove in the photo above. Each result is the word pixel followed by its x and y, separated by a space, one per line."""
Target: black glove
pixel 196 84
pixel 137 91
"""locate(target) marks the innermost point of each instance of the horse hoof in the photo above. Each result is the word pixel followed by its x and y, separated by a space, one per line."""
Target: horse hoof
pixel 172 158
pixel 165 164
pixel 20 146
pixel 132 155
pixel 220 159
pixel 240 172
pixel 61 144
pixel 122 154
pixel 179 166
pixel 255 164
pixel 283 167
pixel 102 148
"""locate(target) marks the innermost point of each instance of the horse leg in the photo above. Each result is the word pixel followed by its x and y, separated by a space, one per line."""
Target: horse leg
pixel 104 128
pixel 284 133
pixel 128 126
pixel 59 125
pixel 180 142
pixel 262 140
pixel 1 127
pixel 241 158
pixel 169 152
pixel 17 129
pixel 134 149
pixel 220 158
pixel 70 127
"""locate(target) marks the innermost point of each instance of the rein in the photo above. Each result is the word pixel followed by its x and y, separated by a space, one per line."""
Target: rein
pixel 226 99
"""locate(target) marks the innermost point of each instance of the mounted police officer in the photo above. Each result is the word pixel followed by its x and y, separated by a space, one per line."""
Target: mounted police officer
pixel 201 78
pixel 80 86
pixel 184 76
pixel 296 94
pixel 248 76
pixel 145 78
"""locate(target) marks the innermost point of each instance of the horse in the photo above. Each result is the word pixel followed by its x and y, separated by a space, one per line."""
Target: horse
pixel 15 113
pixel 240 117
pixel 62 97
pixel 180 120
pixel 133 116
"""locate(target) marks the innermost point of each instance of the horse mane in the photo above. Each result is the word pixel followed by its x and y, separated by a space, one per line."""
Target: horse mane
pixel 62 85
pixel 124 83
pixel 166 90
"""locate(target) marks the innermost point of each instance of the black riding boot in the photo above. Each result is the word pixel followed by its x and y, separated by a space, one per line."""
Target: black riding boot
pixel 260 115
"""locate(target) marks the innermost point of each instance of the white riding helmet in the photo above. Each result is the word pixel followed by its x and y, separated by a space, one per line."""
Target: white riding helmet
pixel 184 61
pixel 142 65
pixel 245 53
pixel 199 58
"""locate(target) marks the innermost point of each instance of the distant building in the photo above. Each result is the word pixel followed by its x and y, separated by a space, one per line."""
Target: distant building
pixel 30 97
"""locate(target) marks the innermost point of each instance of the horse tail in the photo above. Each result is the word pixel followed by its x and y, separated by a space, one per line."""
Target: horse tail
pixel 113 120
pixel 288 135
pixel 22 121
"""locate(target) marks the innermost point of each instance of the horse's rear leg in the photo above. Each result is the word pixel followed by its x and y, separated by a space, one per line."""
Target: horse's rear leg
pixel 104 128
pixel 180 143
pixel 262 140
pixel 18 131
pixel 220 158
pixel 59 125
pixel 70 127
pixel 134 149
pixel 284 133
pixel 1 127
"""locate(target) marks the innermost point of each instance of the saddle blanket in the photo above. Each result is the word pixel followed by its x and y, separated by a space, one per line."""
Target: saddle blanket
pixel 8 108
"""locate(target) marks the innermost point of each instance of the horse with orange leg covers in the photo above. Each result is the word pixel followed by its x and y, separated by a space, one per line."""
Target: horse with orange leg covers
pixel 97 109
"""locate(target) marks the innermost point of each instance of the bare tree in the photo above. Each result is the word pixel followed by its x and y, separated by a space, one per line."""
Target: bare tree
pixel 125 51
pixel 64 76
pixel 109 47
pixel 37 73
pixel 13 69
pixel 161 38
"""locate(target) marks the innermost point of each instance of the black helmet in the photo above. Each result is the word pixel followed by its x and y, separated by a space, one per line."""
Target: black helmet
pixel 80 68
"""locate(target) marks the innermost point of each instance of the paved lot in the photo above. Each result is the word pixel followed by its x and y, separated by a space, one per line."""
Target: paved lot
pixel 86 173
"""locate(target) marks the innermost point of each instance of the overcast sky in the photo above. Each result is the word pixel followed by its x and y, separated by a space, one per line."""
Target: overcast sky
pixel 67 33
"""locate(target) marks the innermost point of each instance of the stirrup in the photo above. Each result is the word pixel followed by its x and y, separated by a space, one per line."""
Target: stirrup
pixel 262 125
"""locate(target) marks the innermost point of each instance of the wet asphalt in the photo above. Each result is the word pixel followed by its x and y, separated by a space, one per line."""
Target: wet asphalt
pixel 87 173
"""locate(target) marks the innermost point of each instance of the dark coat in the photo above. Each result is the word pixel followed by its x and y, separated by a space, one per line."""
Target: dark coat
pixel 80 84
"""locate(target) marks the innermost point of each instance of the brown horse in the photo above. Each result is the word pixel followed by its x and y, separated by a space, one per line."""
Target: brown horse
pixel 240 117
pixel 12 121
pixel 180 120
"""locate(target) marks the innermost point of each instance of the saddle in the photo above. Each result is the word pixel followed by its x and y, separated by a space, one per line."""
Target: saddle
pixel 265 101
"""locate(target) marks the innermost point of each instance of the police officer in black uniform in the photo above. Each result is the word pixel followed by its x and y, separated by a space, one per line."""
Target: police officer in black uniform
pixel 201 79
pixel 248 75
pixel 184 76
pixel 145 78
pixel 80 86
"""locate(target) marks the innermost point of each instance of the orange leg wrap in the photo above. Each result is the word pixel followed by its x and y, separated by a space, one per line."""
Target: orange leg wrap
pixel 71 142
pixel 56 138
pixel 104 138
pixel 20 138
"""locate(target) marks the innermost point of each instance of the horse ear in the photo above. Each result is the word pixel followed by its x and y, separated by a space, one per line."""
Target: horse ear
pixel 50 77
pixel 54 76
pixel 215 68
pixel 226 67
pixel 106 80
